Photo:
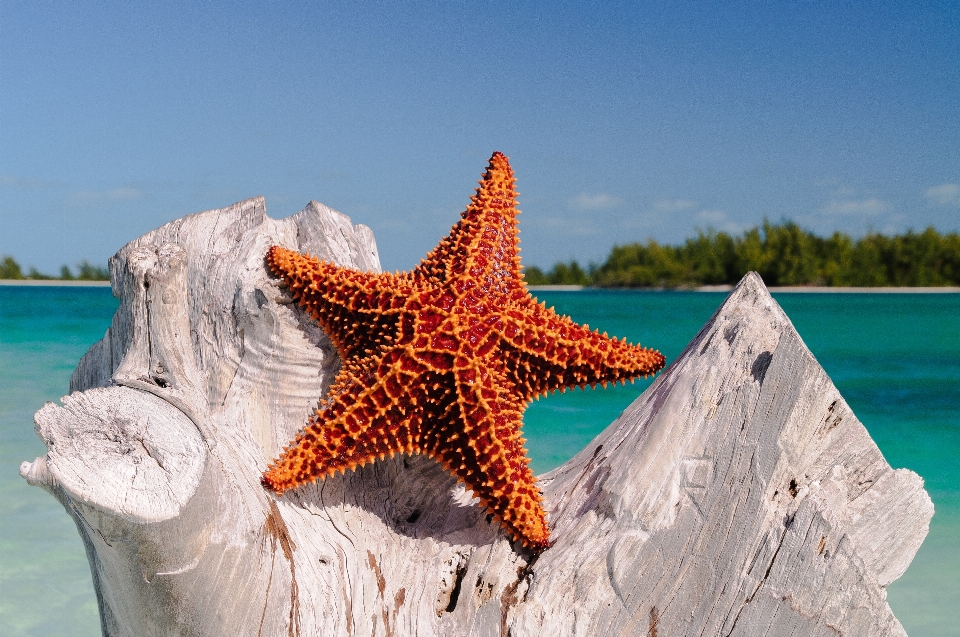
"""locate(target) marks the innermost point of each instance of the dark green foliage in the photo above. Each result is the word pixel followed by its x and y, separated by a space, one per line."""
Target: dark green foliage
pixel 37 276
pixel 783 254
pixel 88 272
pixel 534 276
pixel 561 274
pixel 10 269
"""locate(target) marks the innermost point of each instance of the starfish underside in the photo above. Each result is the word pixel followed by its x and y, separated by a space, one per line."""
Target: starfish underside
pixel 442 361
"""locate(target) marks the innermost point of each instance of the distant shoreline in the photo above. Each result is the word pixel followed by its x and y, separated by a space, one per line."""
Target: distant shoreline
pixel 773 290
pixel 578 288
pixel 54 283
pixel 878 290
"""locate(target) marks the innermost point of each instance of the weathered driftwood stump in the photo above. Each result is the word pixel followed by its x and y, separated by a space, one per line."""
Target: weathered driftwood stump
pixel 737 496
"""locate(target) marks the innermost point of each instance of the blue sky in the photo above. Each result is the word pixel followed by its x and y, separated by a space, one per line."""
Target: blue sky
pixel 623 121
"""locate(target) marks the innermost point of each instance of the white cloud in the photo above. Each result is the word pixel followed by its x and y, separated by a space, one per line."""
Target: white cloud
pixel 11 181
pixel 944 195
pixel 658 214
pixel 712 216
pixel 673 205
pixel 719 221
pixel 85 197
pixel 869 206
pixel 598 201
pixel 895 224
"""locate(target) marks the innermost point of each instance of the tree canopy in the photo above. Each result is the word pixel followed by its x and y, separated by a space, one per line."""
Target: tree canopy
pixel 10 269
pixel 783 254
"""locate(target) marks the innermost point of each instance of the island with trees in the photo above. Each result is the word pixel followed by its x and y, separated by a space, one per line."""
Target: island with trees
pixel 11 270
pixel 783 254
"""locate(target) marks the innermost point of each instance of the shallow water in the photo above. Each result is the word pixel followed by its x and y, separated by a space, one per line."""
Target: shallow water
pixel 45 584
pixel 895 359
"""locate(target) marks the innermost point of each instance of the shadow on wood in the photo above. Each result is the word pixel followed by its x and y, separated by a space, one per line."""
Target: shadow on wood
pixel 738 495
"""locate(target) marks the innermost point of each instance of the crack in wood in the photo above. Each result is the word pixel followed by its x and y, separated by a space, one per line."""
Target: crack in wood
pixel 276 529
pixel 510 598
pixel 455 569
pixel 746 602
pixel 389 616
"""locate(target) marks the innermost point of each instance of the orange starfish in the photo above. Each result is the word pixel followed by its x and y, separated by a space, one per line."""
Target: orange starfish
pixel 443 360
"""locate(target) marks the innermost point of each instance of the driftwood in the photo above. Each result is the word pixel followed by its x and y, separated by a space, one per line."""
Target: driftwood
pixel 737 496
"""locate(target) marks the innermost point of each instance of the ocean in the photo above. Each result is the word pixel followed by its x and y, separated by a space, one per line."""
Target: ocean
pixel 894 357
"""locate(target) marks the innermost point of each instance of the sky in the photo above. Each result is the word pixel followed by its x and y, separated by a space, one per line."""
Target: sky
pixel 623 121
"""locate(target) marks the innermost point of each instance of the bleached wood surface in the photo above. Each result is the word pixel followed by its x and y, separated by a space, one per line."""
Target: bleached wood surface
pixel 737 496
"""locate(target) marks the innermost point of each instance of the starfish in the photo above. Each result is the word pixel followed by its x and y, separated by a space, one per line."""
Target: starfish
pixel 442 361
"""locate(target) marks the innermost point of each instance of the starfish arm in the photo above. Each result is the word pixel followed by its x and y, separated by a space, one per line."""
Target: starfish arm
pixel 482 248
pixel 443 359
pixel 546 351
pixel 356 309
pixel 361 420
pixel 482 445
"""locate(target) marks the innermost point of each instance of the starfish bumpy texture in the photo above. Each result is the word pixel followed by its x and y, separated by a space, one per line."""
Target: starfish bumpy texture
pixel 442 361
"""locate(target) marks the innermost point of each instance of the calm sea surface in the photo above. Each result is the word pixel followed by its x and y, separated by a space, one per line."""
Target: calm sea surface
pixel 894 357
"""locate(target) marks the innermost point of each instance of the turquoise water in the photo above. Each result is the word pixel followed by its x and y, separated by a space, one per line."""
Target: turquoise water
pixel 45 585
pixel 895 358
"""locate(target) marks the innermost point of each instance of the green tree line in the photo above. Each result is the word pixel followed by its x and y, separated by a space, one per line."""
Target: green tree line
pixel 783 254
pixel 10 269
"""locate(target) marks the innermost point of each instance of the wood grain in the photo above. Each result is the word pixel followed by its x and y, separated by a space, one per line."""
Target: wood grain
pixel 738 495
